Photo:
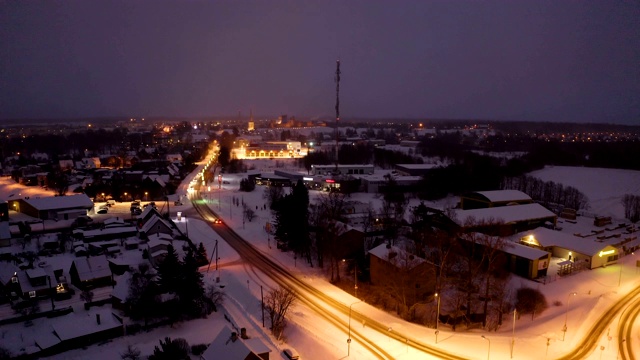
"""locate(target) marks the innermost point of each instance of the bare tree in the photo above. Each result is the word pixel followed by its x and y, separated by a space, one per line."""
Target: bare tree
pixel 273 193
pixel 86 296
pixel 214 294
pixel 132 353
pixel 327 217
pixel 277 302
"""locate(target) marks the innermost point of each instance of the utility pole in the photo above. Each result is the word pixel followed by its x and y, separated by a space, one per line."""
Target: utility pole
pixel 262 299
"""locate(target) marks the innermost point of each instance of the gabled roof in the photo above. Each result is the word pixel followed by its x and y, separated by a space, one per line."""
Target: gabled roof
pixel 61 202
pixel 90 268
pixel 223 347
pixel 154 221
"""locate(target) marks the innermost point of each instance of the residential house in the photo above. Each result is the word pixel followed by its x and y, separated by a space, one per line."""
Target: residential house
pixel 229 345
pixel 90 272
pixel 402 272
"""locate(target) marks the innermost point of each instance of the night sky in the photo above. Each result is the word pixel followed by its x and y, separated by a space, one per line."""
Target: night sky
pixel 576 61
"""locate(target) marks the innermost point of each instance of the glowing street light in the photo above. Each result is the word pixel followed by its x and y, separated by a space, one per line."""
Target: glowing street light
pixel 349 338
pixel 488 350
pixel 438 313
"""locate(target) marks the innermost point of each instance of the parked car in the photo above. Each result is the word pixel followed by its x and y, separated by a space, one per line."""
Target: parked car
pixel 111 202
pixel 81 221
pixel 291 354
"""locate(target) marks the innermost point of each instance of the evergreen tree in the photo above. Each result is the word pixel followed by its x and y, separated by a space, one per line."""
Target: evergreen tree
pixel 201 255
pixel 177 349
pixel 191 287
pixel 169 271
pixel 299 232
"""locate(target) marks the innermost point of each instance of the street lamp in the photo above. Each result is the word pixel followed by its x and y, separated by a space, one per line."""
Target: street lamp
pixel 619 346
pixel 489 350
pixel 355 276
pixel 349 338
pixel 566 315
pixel 146 196
pixel 513 333
pixel 438 313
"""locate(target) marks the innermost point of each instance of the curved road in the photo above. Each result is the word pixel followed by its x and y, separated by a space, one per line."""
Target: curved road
pixel 318 301
pixel 328 308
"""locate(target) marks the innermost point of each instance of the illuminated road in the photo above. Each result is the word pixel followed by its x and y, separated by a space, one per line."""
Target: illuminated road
pixel 316 300
pixel 329 308
pixel 628 308
pixel 625 338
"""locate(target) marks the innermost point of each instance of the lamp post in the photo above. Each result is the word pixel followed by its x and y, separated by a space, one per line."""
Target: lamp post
pixel 489 349
pixel 566 315
pixel 513 333
pixel 355 276
pixel 349 338
pixel 619 346
pixel 620 276
pixel 146 196
pixel 437 314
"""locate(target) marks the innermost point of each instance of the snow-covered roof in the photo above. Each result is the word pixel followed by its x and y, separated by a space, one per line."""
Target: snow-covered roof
pixel 223 347
pixel 112 221
pixel 153 222
pixel 547 238
pixel 524 251
pixel 160 236
pixel 5 232
pixel 92 267
pixel 109 231
pixel 504 195
pixel 81 324
pixel 417 166
pixel 508 214
pixel 121 289
pixel 401 258
pixel 61 202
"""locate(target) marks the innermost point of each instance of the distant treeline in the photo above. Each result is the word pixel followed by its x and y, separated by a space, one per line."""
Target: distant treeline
pixel 548 193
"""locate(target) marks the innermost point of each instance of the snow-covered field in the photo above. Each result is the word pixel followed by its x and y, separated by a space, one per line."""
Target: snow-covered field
pixel 314 338
pixel 604 187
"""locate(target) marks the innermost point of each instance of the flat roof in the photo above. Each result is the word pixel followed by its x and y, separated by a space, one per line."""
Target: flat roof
pixel 547 237
pixel 60 202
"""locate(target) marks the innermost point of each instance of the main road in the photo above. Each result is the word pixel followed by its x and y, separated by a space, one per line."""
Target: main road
pixel 330 309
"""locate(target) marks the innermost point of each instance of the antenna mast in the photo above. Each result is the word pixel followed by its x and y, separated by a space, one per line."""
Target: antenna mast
pixel 337 80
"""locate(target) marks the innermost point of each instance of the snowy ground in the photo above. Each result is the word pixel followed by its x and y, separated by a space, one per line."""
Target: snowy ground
pixel 314 338
pixel 604 187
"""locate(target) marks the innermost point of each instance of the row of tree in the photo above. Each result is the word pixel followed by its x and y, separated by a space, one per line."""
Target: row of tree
pixel 548 192
pixel 631 205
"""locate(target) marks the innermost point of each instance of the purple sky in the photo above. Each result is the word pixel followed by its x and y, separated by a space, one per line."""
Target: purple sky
pixel 511 60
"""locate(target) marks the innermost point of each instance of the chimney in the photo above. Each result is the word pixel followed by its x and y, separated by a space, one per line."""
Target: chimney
pixel 243 333
pixel 234 336
pixel 98 318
